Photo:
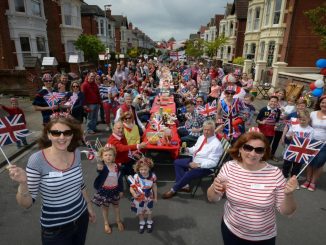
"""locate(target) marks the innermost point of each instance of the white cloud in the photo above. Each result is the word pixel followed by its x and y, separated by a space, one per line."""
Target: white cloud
pixel 162 19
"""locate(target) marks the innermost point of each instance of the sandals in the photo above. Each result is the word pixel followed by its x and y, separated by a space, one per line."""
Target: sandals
pixel 107 228
pixel 120 226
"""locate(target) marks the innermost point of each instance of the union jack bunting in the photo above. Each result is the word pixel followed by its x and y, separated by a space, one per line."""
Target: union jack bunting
pixel 208 109
pixel 135 155
pixel 292 121
pixel 12 129
pixel 302 150
pixel 98 144
pixel 53 98
pixel 91 153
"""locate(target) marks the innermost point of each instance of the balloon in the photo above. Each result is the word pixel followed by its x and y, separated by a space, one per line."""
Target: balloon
pixel 321 63
pixel 317 92
pixel 323 71
pixel 319 83
pixel 312 86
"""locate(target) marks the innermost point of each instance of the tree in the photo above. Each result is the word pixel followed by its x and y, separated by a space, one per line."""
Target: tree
pixel 238 61
pixel 194 48
pixel 211 48
pixel 91 46
pixel 317 18
pixel 133 52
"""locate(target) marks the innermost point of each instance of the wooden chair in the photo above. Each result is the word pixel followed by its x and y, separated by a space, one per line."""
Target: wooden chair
pixel 224 157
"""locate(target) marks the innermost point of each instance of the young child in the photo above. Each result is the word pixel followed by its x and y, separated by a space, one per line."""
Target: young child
pixel 267 118
pixel 290 107
pixel 15 110
pixel 249 109
pixel 301 130
pixel 144 193
pixel 109 186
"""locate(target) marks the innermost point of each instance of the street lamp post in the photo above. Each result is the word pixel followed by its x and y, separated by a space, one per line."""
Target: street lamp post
pixel 106 24
pixel 106 33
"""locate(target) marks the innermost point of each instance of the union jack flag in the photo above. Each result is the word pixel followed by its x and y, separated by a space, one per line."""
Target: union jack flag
pixel 91 153
pixel 12 129
pixel 98 144
pixel 302 150
pixel 53 98
pixel 208 109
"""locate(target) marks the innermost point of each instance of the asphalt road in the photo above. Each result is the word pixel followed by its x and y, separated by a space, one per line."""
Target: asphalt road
pixel 182 220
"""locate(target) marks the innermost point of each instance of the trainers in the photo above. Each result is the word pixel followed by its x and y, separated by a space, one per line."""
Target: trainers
pixel 311 187
pixel 107 129
pixel 305 185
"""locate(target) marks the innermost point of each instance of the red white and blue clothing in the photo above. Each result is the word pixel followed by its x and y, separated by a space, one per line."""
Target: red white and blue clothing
pixel 252 199
pixel 108 184
pixel 144 205
pixel 230 115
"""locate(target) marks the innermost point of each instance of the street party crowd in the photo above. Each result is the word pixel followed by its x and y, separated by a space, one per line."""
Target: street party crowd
pixel 197 108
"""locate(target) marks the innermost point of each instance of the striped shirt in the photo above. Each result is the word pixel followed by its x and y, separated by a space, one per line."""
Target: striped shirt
pixel 61 191
pixel 252 199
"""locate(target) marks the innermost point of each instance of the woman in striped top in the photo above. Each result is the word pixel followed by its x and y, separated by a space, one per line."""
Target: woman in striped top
pixel 254 190
pixel 55 171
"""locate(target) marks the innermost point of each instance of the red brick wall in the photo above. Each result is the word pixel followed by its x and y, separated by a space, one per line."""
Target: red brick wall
pixel 53 15
pixel 241 25
pixel 89 25
pixel 303 48
pixel 8 60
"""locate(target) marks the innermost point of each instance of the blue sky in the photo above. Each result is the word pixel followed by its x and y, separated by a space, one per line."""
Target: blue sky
pixel 162 19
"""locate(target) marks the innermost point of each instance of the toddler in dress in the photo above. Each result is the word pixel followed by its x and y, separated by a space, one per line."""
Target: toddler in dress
pixel 109 186
pixel 143 189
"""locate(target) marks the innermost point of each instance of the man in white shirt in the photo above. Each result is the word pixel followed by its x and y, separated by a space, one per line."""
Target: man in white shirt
pixel 205 156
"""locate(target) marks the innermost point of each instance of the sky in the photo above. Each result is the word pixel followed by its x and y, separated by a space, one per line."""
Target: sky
pixel 163 19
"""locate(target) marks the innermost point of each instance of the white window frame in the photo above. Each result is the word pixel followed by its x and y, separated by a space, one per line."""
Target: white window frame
pixel 257 19
pixel 268 12
pixel 271 53
pixel 277 11
pixel 101 27
pixel 35 3
pixel 20 1
pixel 249 27
pixel 262 50
pixel 67 14
pixel 25 52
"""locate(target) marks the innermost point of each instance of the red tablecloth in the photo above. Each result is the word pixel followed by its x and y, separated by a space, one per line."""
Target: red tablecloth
pixel 173 149
pixel 164 104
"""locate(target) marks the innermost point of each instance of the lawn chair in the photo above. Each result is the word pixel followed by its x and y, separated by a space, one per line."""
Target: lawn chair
pixel 224 157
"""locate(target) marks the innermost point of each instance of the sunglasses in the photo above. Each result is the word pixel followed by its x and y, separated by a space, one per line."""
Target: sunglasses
pixel 249 148
pixel 75 86
pixel 57 133
pixel 229 93
pixel 126 118
pixel 199 101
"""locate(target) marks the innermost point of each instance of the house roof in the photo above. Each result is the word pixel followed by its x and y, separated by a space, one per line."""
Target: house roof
pixel 202 29
pixel 120 20
pixel 228 9
pixel 91 10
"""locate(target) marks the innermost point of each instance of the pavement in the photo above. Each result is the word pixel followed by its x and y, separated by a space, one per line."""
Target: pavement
pixel 182 220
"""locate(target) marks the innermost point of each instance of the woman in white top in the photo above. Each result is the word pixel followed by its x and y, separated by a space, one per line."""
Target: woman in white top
pixel 254 190
pixel 318 123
